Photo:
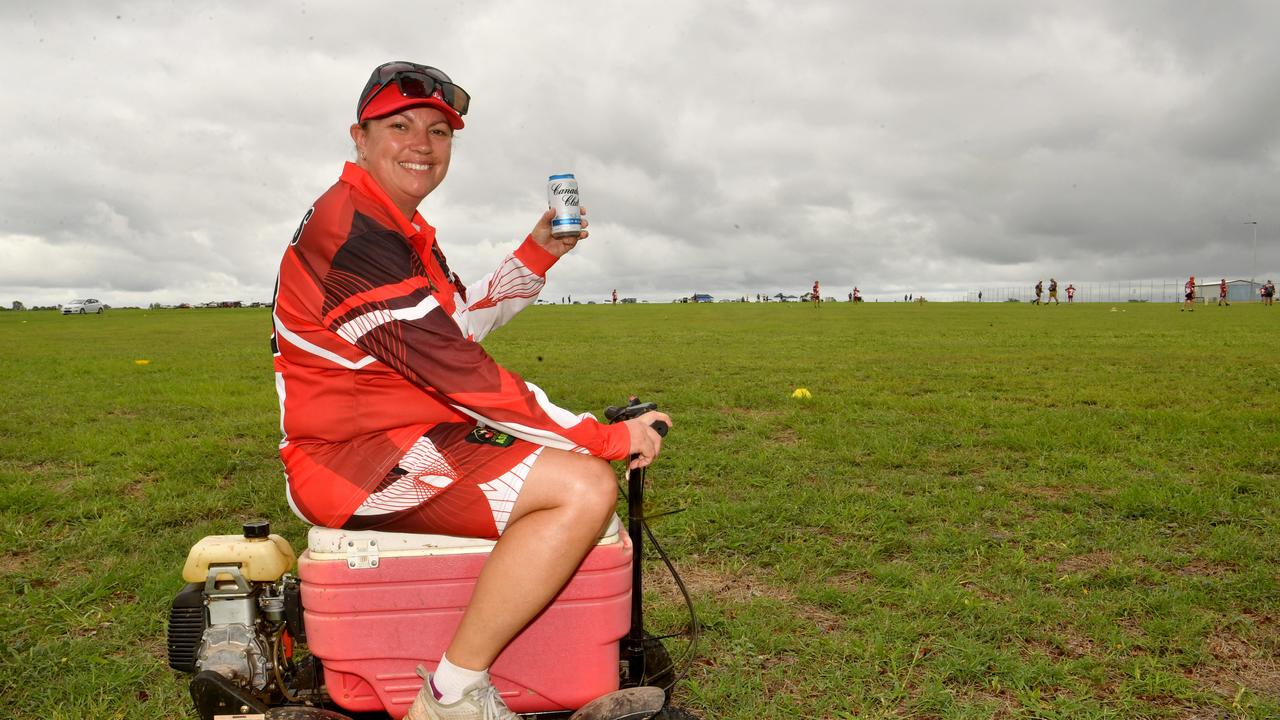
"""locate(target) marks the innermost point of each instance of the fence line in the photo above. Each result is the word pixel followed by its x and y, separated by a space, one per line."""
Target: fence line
pixel 1118 291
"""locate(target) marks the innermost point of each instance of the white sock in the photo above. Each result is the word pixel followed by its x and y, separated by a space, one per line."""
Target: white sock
pixel 449 680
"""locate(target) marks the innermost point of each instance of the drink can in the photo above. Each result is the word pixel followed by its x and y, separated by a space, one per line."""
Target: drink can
pixel 562 196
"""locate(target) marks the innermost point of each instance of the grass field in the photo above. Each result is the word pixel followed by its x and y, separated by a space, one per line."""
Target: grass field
pixel 985 511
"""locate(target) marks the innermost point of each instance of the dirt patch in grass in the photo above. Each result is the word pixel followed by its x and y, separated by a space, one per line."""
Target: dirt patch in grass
pixel 1006 705
pixel 1239 664
pixel 1204 568
pixel 1077 645
pixel 13 562
pixel 851 579
pixel 136 489
pixel 1088 561
pixel 1048 492
pixel 65 572
pixel 120 598
pixel 88 631
pixel 981 592
pixel 1067 643
pixel 717 582
pixel 785 436
pixel 825 620
pixel 55 476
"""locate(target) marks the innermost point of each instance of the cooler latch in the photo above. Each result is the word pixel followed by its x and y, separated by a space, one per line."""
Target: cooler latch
pixel 362 553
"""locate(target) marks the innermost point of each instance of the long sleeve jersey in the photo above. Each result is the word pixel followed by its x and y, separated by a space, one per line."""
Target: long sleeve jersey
pixel 376 341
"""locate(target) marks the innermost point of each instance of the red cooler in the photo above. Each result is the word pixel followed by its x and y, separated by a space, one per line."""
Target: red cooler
pixel 378 604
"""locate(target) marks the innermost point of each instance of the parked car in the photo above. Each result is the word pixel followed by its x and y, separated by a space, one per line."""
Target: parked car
pixel 80 307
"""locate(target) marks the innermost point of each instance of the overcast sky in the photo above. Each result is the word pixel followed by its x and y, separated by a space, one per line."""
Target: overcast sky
pixel 165 151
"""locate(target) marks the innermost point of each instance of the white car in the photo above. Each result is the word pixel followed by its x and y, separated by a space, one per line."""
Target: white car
pixel 80 307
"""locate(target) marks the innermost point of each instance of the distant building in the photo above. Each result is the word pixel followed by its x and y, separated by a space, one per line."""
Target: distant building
pixel 1237 290
pixel 702 297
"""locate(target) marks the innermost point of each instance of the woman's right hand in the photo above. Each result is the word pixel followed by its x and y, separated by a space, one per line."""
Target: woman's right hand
pixel 557 245
pixel 646 443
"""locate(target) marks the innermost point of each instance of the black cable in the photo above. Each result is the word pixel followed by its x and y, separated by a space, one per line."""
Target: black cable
pixel 694 627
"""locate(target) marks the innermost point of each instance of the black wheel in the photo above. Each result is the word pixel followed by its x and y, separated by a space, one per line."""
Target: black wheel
pixel 99 311
pixel 82 311
pixel 675 713
pixel 303 712
pixel 659 670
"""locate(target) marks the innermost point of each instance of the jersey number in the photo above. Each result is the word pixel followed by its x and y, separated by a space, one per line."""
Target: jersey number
pixel 298 233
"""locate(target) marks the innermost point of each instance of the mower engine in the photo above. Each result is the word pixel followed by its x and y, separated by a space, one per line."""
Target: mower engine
pixel 233 624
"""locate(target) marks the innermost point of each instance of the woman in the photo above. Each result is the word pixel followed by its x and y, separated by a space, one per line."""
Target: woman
pixel 1189 294
pixel 396 419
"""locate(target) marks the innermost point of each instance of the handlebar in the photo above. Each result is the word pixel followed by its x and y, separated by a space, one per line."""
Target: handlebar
pixel 635 409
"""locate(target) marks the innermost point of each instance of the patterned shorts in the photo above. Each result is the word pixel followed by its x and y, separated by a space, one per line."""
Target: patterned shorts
pixel 458 479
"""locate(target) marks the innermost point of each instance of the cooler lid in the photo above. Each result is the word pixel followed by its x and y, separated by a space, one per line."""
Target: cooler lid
pixel 336 544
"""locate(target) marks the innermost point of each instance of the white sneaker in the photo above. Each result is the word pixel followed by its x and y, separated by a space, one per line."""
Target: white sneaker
pixel 480 701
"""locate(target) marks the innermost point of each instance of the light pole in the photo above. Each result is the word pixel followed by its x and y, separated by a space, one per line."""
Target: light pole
pixel 1253 269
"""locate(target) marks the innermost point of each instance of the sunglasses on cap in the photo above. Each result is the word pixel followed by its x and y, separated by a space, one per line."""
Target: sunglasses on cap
pixel 414 81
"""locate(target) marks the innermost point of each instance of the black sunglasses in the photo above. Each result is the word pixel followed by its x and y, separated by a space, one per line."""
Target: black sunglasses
pixel 414 81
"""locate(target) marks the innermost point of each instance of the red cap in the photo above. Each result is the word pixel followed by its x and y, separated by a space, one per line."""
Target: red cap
pixel 389 101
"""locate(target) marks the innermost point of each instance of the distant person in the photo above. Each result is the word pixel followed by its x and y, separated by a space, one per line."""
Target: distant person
pixel 1222 293
pixel 979 296
pixel 817 294
pixel 906 297
pixel 615 297
pixel 1189 294
pixel 1268 293
pixel 1039 291
pixel 1053 290
pixel 857 296
pixel 1071 294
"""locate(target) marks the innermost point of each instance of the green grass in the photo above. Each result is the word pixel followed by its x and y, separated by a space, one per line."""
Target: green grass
pixel 984 511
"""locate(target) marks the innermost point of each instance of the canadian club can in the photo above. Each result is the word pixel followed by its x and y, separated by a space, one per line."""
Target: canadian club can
pixel 562 196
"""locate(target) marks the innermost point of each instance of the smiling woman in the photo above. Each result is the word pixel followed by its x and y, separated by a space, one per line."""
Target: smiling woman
pixel 404 135
pixel 406 153
pixel 396 419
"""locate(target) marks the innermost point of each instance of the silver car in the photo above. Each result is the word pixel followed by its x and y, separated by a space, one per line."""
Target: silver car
pixel 80 307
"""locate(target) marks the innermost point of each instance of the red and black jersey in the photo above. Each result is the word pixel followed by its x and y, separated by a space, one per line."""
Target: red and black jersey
pixel 376 342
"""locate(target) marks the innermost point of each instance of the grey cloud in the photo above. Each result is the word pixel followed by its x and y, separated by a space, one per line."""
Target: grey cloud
pixel 720 145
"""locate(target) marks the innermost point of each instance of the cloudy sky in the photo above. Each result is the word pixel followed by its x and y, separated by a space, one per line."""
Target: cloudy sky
pixel 165 151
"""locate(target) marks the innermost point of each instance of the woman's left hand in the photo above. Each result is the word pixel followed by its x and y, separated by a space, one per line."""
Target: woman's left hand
pixel 557 245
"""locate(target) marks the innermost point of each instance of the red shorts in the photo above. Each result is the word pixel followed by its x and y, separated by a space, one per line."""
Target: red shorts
pixel 458 479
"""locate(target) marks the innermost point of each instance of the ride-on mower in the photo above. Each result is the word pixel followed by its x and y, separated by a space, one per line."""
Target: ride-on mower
pixel 343 637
